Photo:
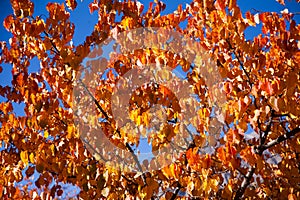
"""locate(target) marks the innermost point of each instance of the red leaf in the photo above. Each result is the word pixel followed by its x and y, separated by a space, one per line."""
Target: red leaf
pixel 19 78
pixel 220 5
pixel 8 21
pixel 266 86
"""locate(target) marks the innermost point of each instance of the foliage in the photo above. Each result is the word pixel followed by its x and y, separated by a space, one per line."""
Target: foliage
pixel 260 78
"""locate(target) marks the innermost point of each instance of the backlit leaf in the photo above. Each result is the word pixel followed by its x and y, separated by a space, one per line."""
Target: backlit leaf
pixel 24 157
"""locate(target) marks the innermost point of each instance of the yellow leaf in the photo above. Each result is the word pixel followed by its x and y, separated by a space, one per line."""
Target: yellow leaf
pixel 292 116
pixel 52 149
pixel 11 118
pixel 70 168
pixel 70 131
pixel 204 184
pixel 33 97
pixel 167 172
pixel 24 157
pixel 31 158
pixel 127 23
pixel 46 134
pixel 97 156
pixel 165 75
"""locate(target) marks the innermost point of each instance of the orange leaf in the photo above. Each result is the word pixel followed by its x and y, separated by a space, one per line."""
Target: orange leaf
pixel 8 21
pixel 292 197
pixel 193 156
pixel 232 4
pixel 93 7
pixel 281 2
pixel 220 5
pixel 228 87
pixel 22 8
pixel 20 79
pixel 266 86
pixel 71 4
pixel 221 154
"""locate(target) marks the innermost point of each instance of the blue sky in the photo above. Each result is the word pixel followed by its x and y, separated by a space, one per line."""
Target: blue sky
pixel 84 23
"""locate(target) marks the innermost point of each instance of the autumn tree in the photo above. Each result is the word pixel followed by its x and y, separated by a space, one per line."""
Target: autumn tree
pixel 245 140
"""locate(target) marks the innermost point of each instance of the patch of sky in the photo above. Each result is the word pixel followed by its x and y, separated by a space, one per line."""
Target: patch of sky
pixel 145 150
pixel 19 108
pixel 178 71
pixel 105 73
pixel 3 145
pixel 6 75
pixel 84 21
pixel 69 190
pixel 34 65
pixel 102 120
pixel 183 24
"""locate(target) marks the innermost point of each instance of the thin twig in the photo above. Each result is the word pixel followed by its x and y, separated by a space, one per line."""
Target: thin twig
pixel 240 62
pixel 117 130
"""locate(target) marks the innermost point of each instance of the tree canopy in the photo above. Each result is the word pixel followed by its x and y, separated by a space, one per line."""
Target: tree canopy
pixel 231 121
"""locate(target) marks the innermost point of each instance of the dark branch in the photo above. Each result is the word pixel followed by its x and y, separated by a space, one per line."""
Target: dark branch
pixel 176 192
pixel 245 183
pixel 52 43
pixel 240 62
pixel 127 179
pixel 281 138
pixel 118 131
pixel 95 101
pixel 261 148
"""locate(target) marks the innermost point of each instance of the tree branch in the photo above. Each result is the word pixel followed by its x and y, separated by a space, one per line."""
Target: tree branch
pixel 259 151
pixel 280 139
pixel 52 43
pixel 95 101
pixel 245 183
pixel 240 62
pixel 173 197
pixel 118 131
